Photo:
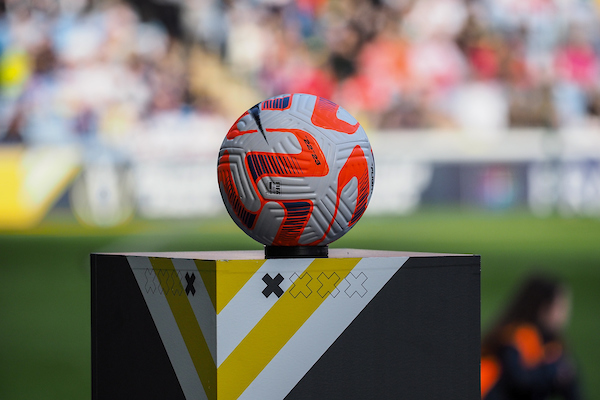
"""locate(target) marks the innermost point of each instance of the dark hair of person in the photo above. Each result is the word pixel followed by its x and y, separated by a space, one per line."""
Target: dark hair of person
pixel 534 296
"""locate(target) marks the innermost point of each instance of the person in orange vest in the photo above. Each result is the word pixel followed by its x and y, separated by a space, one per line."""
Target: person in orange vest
pixel 523 355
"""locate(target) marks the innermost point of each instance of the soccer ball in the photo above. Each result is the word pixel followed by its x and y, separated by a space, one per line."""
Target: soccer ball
pixel 296 170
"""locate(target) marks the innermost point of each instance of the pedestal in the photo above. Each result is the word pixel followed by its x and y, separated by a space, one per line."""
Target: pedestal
pixel 360 324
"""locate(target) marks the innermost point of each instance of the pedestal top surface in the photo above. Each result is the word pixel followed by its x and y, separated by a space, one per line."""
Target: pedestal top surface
pixel 259 254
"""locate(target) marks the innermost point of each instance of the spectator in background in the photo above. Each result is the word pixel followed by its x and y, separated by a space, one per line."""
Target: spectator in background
pixel 577 68
pixel 524 354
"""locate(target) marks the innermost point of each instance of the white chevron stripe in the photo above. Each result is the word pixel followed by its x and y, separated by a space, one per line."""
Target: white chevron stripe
pixel 201 304
pixel 168 331
pixel 249 305
pixel 321 330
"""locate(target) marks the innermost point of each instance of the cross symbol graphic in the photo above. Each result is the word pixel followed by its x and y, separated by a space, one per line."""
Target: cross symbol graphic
pixel 328 284
pixel 190 283
pixel 150 281
pixel 356 284
pixel 272 285
pixel 300 285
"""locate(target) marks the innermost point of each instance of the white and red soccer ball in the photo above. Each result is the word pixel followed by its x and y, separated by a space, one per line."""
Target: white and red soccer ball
pixel 296 170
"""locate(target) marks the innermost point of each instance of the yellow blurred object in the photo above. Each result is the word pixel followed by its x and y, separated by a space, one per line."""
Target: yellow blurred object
pixel 15 68
pixel 210 76
pixel 31 180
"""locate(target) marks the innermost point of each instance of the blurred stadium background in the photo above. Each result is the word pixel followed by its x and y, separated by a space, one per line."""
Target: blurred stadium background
pixel 484 116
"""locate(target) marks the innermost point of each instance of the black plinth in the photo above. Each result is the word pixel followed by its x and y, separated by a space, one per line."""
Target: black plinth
pixel 359 324
pixel 296 251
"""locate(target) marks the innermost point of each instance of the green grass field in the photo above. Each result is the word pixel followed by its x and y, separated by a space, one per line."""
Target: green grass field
pixel 45 294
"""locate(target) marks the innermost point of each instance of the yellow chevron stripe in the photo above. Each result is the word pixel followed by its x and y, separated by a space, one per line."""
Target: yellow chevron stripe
pixel 232 276
pixel 207 271
pixel 188 325
pixel 276 328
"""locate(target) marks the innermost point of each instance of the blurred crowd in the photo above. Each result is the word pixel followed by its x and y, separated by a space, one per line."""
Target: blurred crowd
pixel 101 70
